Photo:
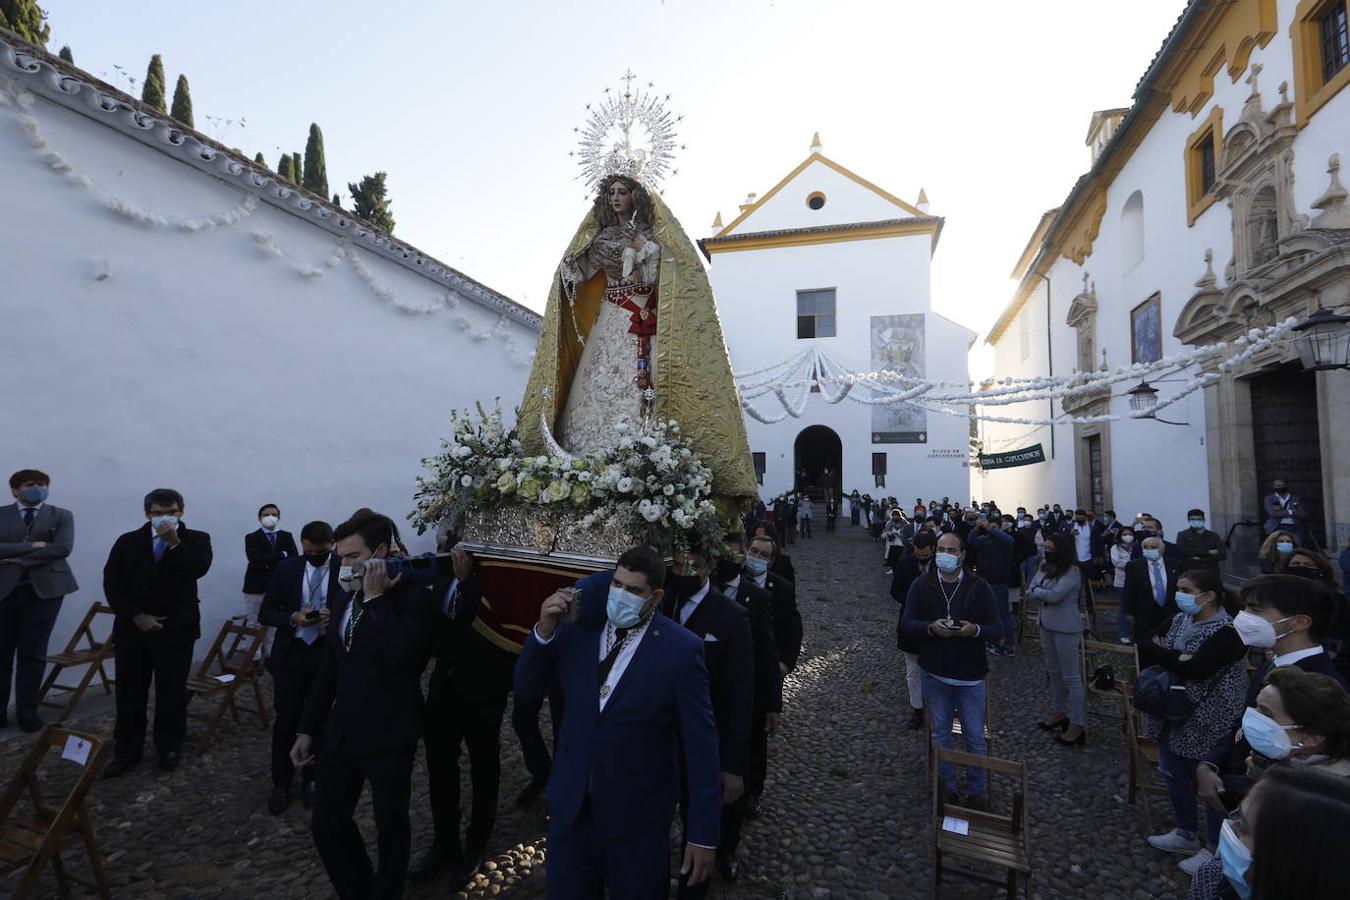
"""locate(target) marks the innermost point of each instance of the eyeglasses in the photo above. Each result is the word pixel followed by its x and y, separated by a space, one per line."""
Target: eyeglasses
pixel 1238 822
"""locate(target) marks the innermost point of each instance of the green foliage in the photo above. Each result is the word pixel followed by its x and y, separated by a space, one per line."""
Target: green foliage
pixel 182 102
pixel 337 201
pixel 284 169
pixel 370 201
pixel 297 168
pixel 258 158
pixel 315 171
pixel 67 55
pixel 26 19
pixel 153 93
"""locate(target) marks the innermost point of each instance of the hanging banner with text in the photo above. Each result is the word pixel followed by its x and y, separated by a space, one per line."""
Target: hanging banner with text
pixel 1024 457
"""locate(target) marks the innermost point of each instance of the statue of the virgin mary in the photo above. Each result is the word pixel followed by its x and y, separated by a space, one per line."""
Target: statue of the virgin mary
pixel 631 331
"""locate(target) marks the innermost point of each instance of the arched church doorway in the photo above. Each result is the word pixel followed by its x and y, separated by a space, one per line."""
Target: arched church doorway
pixel 818 456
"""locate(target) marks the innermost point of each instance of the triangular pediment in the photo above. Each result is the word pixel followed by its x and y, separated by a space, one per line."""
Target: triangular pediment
pixel 847 198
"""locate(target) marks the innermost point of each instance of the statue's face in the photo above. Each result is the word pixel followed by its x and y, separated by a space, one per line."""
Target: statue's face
pixel 620 198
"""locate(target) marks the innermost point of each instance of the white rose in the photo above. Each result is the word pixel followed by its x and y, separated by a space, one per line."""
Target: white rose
pixel 625 485
pixel 466 481
pixel 653 512
pixel 668 490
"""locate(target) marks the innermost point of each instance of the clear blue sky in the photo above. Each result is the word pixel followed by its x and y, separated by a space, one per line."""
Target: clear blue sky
pixel 470 106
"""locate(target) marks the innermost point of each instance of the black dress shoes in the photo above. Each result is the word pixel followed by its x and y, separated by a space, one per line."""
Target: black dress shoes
pixel 117 768
pixel 168 760
pixel 276 802
pixel 530 793
pixel 432 862
pixel 729 867
pixel 307 793
pixel 31 722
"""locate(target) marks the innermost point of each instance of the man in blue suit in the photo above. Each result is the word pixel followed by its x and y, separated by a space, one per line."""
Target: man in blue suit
pixel 636 692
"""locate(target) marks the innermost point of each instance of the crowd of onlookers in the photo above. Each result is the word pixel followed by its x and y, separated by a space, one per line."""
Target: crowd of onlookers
pixel 1245 693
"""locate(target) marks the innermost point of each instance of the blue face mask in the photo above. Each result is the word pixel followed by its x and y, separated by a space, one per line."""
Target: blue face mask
pixel 948 562
pixel 33 495
pixel 1285 547
pixel 755 566
pixel 1237 859
pixel 1187 603
pixel 1265 735
pixel 1198 524
pixel 624 609
pixel 1152 555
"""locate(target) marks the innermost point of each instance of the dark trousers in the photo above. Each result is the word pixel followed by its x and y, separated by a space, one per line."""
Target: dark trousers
pixel 292 678
pixel 525 723
pixel 339 782
pixel 805 525
pixel 733 817
pixel 139 660
pixel 581 863
pixel 26 622
pixel 453 720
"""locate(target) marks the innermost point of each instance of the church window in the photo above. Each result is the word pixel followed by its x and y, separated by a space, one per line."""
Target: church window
pixel 1132 231
pixel 815 314
pixel 816 200
pixel 1335 40
pixel 1204 154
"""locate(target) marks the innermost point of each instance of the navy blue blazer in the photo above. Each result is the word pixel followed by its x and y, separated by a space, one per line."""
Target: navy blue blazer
pixel 627 757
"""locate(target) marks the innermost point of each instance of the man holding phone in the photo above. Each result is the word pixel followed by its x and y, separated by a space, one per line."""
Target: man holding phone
pixel 296 604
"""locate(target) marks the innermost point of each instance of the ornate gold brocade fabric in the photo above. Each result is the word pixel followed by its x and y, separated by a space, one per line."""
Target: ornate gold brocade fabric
pixel 692 369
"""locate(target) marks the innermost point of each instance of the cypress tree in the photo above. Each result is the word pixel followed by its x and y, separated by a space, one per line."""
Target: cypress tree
pixel 284 170
pixel 297 168
pixel 258 158
pixel 67 55
pixel 153 94
pixel 182 102
pixel 370 201
pixel 316 171
pixel 337 201
pixel 26 19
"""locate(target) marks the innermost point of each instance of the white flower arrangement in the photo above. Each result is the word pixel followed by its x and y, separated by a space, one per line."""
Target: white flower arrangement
pixel 648 478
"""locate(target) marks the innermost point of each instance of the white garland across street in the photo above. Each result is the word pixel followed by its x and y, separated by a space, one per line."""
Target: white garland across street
pixel 20 102
pixel 791 382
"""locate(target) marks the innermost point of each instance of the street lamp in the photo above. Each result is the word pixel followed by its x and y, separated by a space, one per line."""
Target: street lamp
pixel 1323 340
pixel 1144 399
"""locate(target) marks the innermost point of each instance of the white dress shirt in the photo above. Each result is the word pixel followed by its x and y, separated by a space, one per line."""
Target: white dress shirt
pixel 607 638
pixel 1082 538
pixel 1293 656
pixel 688 606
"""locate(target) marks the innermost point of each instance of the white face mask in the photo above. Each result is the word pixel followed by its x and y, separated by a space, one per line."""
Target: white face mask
pixel 156 521
pixel 348 578
pixel 269 522
pixel 1256 631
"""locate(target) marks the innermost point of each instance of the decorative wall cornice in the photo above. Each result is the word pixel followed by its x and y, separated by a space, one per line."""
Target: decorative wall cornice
pixel 58 82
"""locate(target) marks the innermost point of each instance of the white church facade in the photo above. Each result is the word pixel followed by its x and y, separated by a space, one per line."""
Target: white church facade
pixel 1214 205
pixel 179 317
pixel 827 272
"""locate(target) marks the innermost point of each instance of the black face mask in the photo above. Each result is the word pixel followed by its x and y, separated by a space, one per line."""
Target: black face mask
pixel 1309 572
pixel 683 586
pixel 318 560
pixel 727 571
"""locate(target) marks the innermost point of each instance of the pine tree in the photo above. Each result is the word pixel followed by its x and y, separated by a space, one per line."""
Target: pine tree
pixel 337 201
pixel 284 169
pixel 153 94
pixel 67 55
pixel 26 19
pixel 182 102
pixel 258 158
pixel 316 171
pixel 370 201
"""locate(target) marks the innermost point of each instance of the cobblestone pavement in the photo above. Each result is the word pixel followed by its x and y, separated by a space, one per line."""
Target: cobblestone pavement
pixel 846 812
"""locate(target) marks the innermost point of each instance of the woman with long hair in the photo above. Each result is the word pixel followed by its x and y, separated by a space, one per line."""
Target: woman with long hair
pixel 1286 841
pixel 1279 545
pixel 1056 587
pixel 1202 649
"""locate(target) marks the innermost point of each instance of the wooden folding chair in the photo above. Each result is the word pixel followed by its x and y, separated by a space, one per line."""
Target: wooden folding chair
pixel 1124 660
pixel 221 676
pixel 981 835
pixel 92 657
pixel 1142 759
pixel 957 727
pixel 29 842
pixel 234 654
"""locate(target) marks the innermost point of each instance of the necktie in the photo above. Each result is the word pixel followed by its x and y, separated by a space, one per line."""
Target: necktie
pixel 358 607
pixel 607 663
pixel 159 545
pixel 271 537
pixel 1159 585
pixel 28 516
pixel 310 633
